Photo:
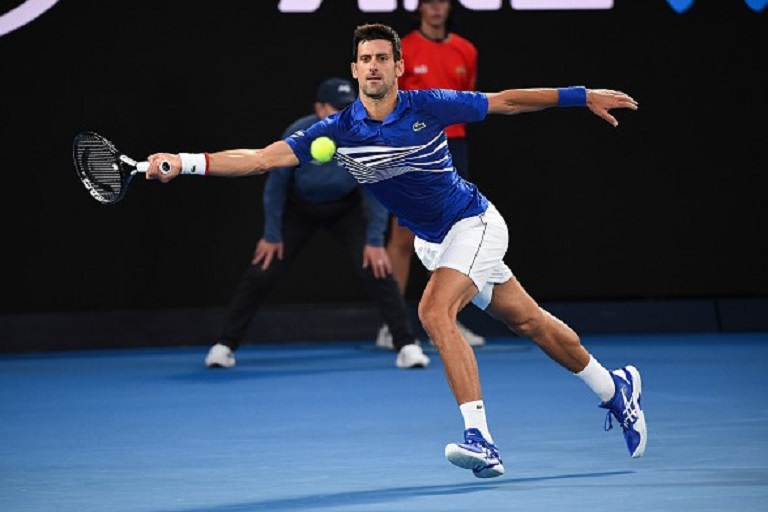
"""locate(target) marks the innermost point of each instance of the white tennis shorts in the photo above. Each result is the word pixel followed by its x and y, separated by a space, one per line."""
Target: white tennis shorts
pixel 474 246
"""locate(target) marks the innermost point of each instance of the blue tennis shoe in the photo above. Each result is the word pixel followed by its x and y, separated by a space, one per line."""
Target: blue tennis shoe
pixel 625 407
pixel 477 454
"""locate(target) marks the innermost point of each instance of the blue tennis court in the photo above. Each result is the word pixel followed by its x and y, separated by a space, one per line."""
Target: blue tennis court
pixel 336 427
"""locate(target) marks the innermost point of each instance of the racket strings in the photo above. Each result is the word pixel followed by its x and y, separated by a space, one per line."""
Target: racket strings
pixel 98 163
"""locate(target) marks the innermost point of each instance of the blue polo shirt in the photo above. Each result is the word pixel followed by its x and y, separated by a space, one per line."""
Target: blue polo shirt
pixel 404 160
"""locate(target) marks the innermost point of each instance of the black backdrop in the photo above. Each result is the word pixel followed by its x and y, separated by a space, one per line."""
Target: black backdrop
pixel 668 205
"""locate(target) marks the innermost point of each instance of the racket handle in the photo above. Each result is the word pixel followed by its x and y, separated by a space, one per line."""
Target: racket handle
pixel 165 167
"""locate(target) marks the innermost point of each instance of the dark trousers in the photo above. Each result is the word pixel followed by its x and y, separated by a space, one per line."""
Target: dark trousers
pixel 346 221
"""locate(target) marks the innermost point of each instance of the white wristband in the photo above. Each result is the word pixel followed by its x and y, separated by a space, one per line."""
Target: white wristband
pixel 194 163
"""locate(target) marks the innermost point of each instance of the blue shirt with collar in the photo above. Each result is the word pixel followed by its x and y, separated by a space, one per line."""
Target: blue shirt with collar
pixel 404 161
pixel 315 183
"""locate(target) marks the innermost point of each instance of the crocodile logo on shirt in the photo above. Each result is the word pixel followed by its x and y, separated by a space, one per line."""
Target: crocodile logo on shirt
pixel 419 125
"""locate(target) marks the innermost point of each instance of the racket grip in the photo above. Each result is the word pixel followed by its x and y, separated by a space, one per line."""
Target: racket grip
pixel 165 167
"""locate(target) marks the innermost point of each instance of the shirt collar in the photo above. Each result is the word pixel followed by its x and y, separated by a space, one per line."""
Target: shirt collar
pixel 403 103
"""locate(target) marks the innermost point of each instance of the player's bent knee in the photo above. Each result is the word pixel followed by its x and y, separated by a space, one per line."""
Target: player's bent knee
pixel 431 317
pixel 426 314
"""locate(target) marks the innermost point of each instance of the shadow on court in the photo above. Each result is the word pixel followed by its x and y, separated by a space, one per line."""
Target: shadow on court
pixel 375 496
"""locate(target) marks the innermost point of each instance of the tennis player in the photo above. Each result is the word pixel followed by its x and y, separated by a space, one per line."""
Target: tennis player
pixel 393 143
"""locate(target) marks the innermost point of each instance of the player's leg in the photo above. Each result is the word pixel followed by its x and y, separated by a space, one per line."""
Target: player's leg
pixel 619 391
pixel 459 264
pixel 512 305
pixel 446 293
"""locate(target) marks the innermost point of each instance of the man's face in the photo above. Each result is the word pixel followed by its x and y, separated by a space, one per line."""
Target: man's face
pixel 376 70
pixel 435 12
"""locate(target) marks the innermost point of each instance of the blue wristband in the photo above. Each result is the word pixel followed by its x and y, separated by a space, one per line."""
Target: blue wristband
pixel 572 96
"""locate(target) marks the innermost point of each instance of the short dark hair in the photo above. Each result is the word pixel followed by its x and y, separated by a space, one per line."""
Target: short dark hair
pixel 448 22
pixel 374 31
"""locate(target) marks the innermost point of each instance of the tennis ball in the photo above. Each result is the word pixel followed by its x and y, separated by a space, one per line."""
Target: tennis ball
pixel 322 149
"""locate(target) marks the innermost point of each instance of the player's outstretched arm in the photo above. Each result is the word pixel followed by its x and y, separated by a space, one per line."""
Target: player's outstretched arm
pixel 230 163
pixel 599 101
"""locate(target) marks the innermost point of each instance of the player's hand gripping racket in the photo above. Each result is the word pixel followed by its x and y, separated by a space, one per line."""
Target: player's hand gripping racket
pixel 105 171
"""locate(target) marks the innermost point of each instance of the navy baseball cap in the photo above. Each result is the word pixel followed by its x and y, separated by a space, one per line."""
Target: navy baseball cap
pixel 336 91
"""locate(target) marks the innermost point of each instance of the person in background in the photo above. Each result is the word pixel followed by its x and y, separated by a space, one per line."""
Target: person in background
pixel 299 201
pixel 434 57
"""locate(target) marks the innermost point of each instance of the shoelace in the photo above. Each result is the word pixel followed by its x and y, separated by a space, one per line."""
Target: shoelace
pixel 489 448
pixel 629 413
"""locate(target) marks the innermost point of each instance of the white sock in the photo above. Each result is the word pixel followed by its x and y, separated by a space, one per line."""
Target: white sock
pixel 474 417
pixel 598 379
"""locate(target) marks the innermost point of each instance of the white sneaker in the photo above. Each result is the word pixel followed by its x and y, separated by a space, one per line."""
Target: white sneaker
pixel 411 356
pixel 384 338
pixel 474 340
pixel 220 356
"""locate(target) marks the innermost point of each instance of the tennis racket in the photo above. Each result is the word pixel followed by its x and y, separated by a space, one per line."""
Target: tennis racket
pixel 103 169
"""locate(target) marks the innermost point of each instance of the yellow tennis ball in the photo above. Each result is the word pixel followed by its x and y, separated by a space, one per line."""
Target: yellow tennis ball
pixel 322 149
